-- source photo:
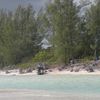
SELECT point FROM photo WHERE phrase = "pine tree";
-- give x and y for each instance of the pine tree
(63, 18)
(93, 24)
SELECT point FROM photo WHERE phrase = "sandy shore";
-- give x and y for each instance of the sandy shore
(75, 73)
(55, 72)
(44, 95)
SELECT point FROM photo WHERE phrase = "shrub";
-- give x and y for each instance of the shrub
(43, 56)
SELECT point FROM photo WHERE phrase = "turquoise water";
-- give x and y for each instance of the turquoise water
(56, 83)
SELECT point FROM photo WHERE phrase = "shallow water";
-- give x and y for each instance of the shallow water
(71, 84)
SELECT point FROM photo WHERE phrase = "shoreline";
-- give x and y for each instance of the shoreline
(2, 73)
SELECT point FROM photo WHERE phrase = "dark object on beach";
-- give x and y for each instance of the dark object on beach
(71, 69)
(89, 69)
(76, 69)
(50, 70)
(40, 69)
(60, 68)
(7, 72)
(21, 71)
(29, 70)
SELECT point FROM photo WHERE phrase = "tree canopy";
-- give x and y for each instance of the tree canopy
(72, 36)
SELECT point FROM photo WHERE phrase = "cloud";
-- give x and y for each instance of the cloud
(12, 4)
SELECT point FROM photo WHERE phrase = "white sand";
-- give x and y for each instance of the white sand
(54, 72)
(16, 72)
(43, 95)
(75, 73)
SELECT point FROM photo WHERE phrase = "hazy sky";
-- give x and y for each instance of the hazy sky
(12, 4)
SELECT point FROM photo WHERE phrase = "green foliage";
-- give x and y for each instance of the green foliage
(71, 36)
(25, 65)
(42, 56)
(19, 37)
(64, 20)
(93, 25)
(87, 59)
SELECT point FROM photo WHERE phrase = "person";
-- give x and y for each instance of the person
(40, 69)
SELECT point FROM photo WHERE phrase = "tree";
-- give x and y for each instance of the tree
(63, 18)
(19, 37)
(93, 24)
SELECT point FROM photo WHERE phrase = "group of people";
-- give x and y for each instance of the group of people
(41, 69)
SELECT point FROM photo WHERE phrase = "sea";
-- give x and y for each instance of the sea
(50, 87)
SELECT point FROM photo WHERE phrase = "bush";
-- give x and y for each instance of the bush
(25, 65)
(43, 56)
(87, 59)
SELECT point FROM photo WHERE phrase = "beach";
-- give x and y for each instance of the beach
(54, 72)
(43, 95)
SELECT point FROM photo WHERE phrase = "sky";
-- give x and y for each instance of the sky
(12, 4)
